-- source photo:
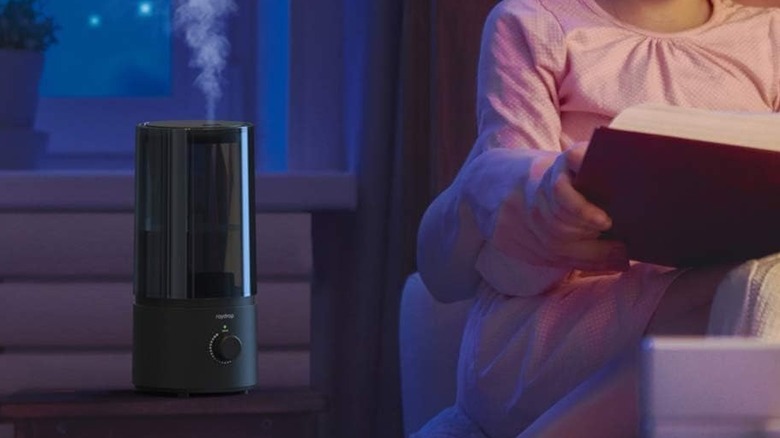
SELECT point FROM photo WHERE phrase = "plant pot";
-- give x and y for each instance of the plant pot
(21, 146)
(19, 78)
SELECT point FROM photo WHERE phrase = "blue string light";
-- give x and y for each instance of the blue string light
(145, 9)
(94, 20)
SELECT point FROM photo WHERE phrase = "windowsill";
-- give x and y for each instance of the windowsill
(115, 191)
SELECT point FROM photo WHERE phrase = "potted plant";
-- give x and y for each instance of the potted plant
(25, 34)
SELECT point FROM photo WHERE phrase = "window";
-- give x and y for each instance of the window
(118, 64)
(109, 49)
(274, 83)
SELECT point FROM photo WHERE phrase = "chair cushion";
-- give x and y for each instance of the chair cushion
(450, 423)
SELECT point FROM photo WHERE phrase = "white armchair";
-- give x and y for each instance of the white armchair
(429, 336)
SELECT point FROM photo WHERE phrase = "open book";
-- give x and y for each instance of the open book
(687, 187)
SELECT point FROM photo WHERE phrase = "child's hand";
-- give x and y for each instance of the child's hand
(561, 226)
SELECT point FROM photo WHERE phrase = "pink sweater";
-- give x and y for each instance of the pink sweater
(550, 72)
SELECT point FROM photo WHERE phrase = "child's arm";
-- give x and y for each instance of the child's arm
(513, 198)
(456, 229)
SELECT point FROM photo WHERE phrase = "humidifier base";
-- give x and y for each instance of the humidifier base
(183, 348)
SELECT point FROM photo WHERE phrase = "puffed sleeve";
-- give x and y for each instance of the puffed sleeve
(519, 136)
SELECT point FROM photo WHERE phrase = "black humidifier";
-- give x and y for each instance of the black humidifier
(194, 312)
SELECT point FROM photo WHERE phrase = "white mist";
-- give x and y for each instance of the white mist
(202, 23)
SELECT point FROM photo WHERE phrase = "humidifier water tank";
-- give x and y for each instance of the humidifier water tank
(194, 281)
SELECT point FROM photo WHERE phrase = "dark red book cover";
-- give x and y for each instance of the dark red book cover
(679, 202)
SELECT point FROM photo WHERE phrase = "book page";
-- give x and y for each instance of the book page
(757, 130)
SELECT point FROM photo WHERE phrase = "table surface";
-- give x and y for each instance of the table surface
(130, 403)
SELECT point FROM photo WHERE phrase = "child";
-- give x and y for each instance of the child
(554, 305)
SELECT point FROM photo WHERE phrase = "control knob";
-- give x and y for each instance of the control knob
(225, 347)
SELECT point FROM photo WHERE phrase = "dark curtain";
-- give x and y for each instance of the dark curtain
(358, 255)
(409, 121)
(456, 30)
(372, 89)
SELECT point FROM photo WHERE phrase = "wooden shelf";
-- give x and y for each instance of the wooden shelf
(126, 413)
